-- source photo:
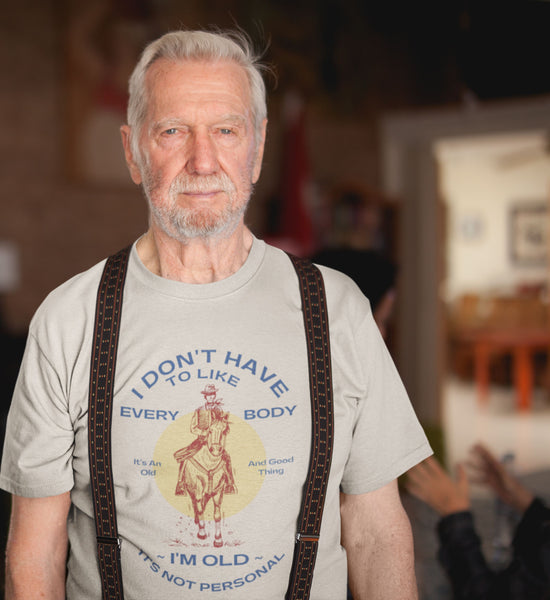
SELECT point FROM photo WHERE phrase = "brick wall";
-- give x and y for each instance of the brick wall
(58, 228)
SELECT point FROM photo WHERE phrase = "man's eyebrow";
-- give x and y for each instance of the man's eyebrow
(163, 124)
(166, 124)
(231, 119)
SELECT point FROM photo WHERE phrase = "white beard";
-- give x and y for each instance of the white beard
(184, 224)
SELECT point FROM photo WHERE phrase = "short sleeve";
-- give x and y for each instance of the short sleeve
(37, 456)
(387, 436)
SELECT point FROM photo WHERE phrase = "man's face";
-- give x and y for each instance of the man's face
(210, 401)
(199, 159)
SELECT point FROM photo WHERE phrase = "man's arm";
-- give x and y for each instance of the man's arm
(36, 551)
(377, 536)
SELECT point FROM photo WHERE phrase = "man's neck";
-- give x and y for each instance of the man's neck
(198, 260)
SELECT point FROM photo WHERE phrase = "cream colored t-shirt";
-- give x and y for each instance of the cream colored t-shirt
(204, 511)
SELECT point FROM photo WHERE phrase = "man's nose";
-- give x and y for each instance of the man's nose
(202, 154)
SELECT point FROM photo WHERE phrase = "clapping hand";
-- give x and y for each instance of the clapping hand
(429, 482)
(484, 468)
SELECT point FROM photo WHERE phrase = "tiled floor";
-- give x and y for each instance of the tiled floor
(497, 424)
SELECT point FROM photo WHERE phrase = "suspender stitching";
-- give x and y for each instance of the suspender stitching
(318, 345)
(102, 372)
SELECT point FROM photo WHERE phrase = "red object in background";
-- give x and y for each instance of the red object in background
(521, 343)
(295, 232)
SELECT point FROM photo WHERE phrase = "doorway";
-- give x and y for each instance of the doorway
(411, 173)
(495, 191)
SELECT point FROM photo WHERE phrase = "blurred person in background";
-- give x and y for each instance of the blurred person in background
(527, 576)
(352, 249)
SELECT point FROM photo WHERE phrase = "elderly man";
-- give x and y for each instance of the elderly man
(205, 301)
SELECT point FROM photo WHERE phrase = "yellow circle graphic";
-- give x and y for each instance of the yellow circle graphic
(183, 481)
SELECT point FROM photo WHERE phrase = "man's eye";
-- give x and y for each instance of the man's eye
(171, 131)
(226, 131)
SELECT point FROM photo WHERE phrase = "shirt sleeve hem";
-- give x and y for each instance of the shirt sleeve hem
(395, 471)
(35, 491)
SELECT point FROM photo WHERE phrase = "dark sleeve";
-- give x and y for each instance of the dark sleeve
(461, 556)
(532, 544)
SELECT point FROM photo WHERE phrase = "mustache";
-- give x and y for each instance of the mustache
(193, 184)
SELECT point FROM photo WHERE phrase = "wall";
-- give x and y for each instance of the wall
(58, 227)
(482, 181)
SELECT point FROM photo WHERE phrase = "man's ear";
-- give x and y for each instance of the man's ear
(259, 154)
(133, 167)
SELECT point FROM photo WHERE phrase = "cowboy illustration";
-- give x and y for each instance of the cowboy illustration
(202, 423)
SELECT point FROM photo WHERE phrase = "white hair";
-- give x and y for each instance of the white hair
(196, 45)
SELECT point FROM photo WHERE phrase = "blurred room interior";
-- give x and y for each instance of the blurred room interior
(438, 112)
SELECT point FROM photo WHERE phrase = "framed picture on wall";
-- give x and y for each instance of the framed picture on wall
(529, 223)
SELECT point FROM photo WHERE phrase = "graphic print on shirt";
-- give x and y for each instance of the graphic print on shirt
(205, 474)
(224, 449)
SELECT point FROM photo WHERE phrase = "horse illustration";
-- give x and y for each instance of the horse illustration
(205, 474)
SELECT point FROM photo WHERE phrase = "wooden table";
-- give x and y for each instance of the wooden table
(521, 343)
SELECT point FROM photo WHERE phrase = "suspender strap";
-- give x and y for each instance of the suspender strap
(320, 382)
(102, 375)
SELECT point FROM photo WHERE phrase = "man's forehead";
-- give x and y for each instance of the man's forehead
(198, 83)
(191, 69)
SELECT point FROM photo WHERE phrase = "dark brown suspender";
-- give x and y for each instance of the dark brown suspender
(102, 376)
(322, 421)
(102, 373)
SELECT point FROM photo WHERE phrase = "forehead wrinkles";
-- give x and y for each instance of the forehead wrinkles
(198, 83)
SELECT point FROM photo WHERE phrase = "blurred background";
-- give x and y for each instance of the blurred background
(435, 114)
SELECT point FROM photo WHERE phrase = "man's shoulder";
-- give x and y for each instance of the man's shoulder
(71, 297)
(343, 294)
(335, 279)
